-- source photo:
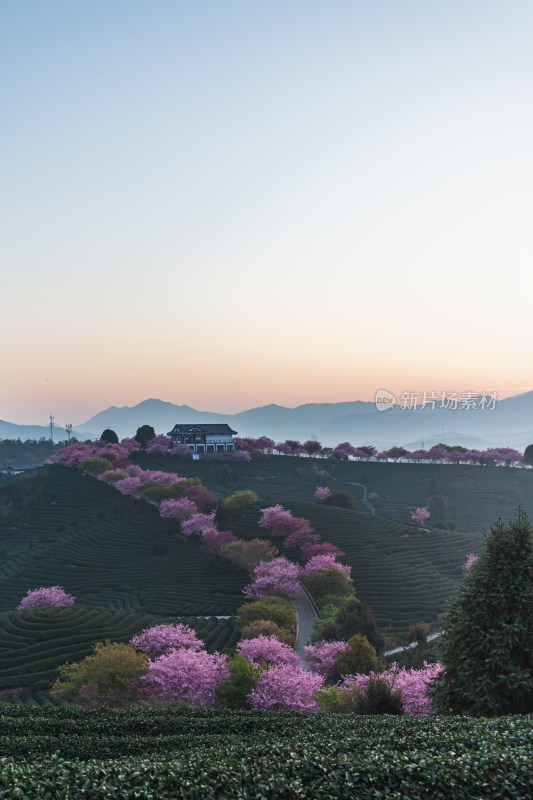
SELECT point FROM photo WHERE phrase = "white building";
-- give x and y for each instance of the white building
(204, 438)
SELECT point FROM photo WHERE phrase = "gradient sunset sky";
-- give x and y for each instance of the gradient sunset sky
(229, 203)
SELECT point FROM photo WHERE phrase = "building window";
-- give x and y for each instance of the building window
(199, 448)
(220, 448)
(230, 448)
(210, 448)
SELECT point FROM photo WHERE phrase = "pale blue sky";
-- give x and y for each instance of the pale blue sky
(325, 198)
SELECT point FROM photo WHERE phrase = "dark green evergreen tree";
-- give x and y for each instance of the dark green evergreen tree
(487, 647)
(109, 436)
(528, 454)
(144, 434)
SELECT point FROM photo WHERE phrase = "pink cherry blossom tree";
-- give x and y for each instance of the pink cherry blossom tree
(161, 639)
(180, 510)
(286, 687)
(277, 577)
(186, 676)
(268, 650)
(46, 596)
(470, 561)
(214, 540)
(159, 444)
(197, 524)
(325, 561)
(420, 515)
(322, 657)
(322, 492)
(412, 685)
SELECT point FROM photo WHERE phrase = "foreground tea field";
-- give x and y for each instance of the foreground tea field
(170, 753)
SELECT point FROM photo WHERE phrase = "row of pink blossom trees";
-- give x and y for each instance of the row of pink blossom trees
(178, 667)
(496, 456)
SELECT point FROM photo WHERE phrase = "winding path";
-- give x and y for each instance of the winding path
(307, 612)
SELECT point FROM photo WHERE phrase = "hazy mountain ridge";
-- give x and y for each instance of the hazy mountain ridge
(511, 422)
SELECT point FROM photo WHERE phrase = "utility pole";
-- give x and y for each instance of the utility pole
(51, 428)
(68, 428)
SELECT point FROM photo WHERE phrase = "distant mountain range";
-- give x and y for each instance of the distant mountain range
(10, 430)
(509, 423)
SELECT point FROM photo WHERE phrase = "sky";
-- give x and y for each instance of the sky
(229, 203)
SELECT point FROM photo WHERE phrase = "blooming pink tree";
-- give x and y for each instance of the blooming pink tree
(322, 657)
(286, 687)
(161, 639)
(322, 548)
(128, 486)
(264, 443)
(198, 524)
(325, 561)
(47, 596)
(420, 515)
(214, 540)
(181, 450)
(412, 685)
(277, 577)
(131, 444)
(322, 492)
(470, 561)
(268, 650)
(186, 676)
(159, 444)
(177, 509)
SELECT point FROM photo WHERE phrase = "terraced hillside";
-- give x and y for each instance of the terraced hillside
(35, 642)
(109, 551)
(403, 572)
(472, 497)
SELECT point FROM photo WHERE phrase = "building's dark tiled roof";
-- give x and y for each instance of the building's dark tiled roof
(196, 428)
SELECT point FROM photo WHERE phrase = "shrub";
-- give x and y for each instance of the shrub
(248, 555)
(357, 617)
(239, 500)
(379, 698)
(277, 609)
(359, 657)
(95, 464)
(107, 677)
(233, 692)
(341, 499)
(338, 700)
(328, 583)
(487, 646)
(265, 627)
